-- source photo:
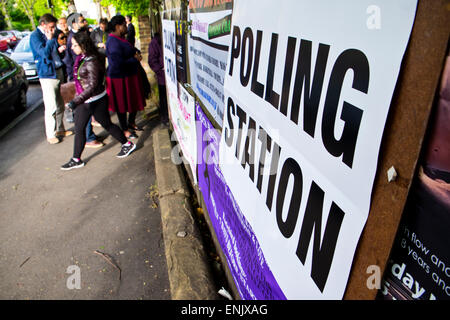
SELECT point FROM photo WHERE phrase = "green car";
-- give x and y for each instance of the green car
(13, 86)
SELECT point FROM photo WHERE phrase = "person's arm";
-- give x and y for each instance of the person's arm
(120, 58)
(97, 38)
(114, 57)
(90, 83)
(154, 59)
(69, 58)
(68, 62)
(93, 36)
(43, 49)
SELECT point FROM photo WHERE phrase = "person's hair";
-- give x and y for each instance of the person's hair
(115, 21)
(83, 19)
(157, 36)
(86, 44)
(47, 18)
(103, 21)
(129, 17)
(84, 29)
(73, 18)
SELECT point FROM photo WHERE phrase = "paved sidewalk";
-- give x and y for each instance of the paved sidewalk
(52, 219)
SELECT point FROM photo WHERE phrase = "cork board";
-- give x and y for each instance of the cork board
(402, 141)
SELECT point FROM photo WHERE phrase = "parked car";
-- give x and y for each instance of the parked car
(13, 85)
(3, 44)
(19, 35)
(10, 37)
(23, 56)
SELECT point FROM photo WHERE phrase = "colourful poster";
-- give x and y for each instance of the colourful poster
(208, 51)
(245, 260)
(183, 122)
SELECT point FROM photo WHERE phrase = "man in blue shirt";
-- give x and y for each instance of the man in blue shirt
(45, 49)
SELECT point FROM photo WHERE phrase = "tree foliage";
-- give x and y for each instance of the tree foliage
(5, 15)
(58, 6)
(134, 8)
(24, 14)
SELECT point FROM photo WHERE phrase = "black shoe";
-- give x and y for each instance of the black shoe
(132, 135)
(72, 164)
(135, 127)
(126, 150)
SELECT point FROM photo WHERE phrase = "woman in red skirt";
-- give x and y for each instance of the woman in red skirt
(123, 83)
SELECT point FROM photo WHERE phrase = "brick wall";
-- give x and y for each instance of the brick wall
(145, 38)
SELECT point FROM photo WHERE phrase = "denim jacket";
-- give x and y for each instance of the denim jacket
(42, 53)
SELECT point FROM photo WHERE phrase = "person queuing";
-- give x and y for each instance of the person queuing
(99, 36)
(61, 35)
(78, 23)
(91, 99)
(156, 63)
(131, 32)
(62, 31)
(74, 26)
(45, 49)
(62, 25)
(123, 78)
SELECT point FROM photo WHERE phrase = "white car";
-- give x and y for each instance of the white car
(23, 56)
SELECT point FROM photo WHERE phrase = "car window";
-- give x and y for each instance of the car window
(5, 66)
(24, 45)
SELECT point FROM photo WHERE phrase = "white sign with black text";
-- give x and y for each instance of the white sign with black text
(170, 67)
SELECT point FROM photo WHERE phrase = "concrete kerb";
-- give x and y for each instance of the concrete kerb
(189, 273)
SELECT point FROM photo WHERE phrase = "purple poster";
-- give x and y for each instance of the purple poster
(251, 274)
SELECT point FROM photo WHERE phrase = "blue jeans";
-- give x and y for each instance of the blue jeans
(90, 136)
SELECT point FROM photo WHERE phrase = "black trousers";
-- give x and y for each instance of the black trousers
(163, 109)
(98, 109)
(124, 124)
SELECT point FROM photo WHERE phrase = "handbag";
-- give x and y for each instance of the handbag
(68, 91)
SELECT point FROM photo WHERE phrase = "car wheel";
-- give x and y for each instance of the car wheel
(21, 102)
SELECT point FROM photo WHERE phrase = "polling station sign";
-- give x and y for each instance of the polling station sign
(308, 88)
(170, 65)
(208, 46)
